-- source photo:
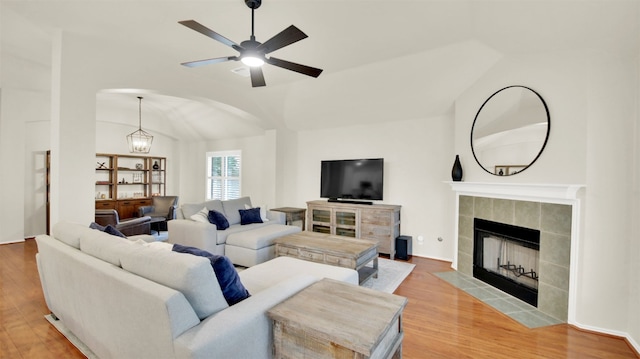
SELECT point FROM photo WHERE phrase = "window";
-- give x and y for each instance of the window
(223, 175)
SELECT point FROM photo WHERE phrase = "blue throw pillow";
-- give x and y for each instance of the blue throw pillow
(113, 231)
(218, 219)
(248, 216)
(109, 229)
(232, 289)
(94, 225)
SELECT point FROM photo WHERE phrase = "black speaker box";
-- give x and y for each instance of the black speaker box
(403, 247)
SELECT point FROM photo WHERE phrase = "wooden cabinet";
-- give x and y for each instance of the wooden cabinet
(126, 182)
(128, 208)
(376, 222)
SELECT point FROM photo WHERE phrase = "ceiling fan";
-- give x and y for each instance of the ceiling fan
(252, 52)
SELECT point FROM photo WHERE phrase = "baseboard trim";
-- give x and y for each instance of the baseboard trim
(12, 241)
(632, 343)
(434, 258)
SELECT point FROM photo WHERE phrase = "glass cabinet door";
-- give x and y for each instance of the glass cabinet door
(345, 223)
(321, 215)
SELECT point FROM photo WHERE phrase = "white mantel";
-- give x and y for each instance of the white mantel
(538, 192)
(568, 194)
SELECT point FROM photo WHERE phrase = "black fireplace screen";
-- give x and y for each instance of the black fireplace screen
(507, 257)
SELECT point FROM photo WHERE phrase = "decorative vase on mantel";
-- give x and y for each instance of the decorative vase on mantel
(456, 171)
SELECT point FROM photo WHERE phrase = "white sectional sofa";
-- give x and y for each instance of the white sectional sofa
(245, 244)
(126, 299)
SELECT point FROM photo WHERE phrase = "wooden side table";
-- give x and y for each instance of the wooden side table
(293, 214)
(332, 319)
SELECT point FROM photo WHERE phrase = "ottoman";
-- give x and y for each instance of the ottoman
(248, 248)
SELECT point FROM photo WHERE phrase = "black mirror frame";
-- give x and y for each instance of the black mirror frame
(546, 139)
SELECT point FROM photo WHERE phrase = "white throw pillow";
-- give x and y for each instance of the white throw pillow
(202, 216)
(263, 212)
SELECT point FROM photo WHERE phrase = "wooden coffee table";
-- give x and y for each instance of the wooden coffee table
(339, 251)
(332, 319)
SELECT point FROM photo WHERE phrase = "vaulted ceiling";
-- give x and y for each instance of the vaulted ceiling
(382, 60)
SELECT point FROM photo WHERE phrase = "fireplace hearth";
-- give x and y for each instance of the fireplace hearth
(507, 257)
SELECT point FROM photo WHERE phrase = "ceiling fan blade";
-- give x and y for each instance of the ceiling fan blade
(257, 77)
(209, 61)
(305, 70)
(194, 25)
(284, 38)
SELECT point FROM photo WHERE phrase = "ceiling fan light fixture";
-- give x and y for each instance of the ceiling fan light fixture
(253, 53)
(252, 61)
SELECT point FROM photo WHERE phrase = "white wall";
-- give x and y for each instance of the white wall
(418, 158)
(12, 155)
(611, 102)
(258, 168)
(593, 106)
(24, 133)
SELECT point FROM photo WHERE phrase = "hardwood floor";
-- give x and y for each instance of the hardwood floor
(440, 321)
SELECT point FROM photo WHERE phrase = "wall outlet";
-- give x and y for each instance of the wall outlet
(420, 240)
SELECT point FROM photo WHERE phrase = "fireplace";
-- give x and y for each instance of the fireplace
(507, 257)
(553, 209)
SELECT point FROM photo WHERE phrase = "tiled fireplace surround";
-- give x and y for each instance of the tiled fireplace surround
(547, 208)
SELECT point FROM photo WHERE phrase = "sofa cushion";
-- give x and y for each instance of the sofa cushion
(227, 276)
(269, 273)
(248, 216)
(201, 216)
(69, 233)
(260, 237)
(232, 209)
(222, 235)
(104, 246)
(191, 275)
(217, 218)
(214, 205)
(189, 209)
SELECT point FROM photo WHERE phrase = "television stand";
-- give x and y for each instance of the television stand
(349, 201)
(376, 222)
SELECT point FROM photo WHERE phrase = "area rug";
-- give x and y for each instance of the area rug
(71, 337)
(390, 275)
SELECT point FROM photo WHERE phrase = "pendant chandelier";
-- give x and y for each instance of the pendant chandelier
(139, 141)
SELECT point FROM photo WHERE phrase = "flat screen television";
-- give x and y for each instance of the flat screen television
(359, 180)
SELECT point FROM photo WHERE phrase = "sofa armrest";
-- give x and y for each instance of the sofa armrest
(278, 217)
(225, 334)
(193, 234)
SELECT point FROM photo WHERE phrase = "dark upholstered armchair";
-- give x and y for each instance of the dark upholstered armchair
(162, 210)
(129, 227)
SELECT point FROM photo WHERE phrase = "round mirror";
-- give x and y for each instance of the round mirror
(510, 131)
